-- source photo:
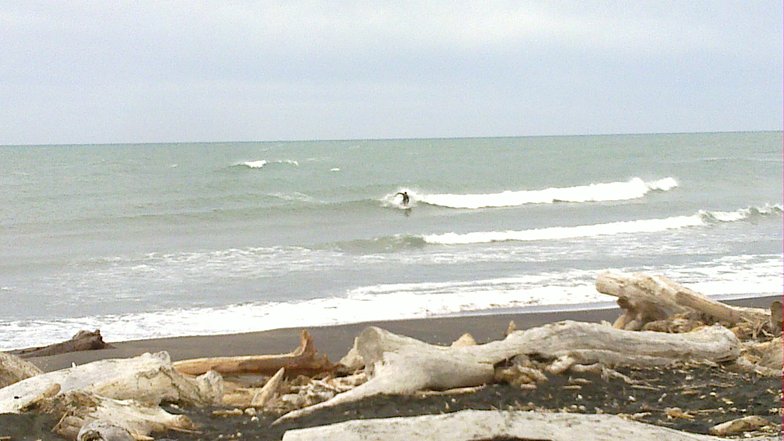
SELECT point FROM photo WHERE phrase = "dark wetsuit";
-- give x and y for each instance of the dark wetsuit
(405, 197)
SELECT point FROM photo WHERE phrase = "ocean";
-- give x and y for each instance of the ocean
(155, 240)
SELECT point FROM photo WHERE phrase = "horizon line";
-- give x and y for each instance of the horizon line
(390, 139)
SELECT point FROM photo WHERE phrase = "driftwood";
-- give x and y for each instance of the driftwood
(740, 425)
(646, 299)
(402, 365)
(149, 378)
(764, 358)
(103, 431)
(13, 369)
(82, 341)
(81, 409)
(776, 317)
(268, 392)
(304, 360)
(470, 425)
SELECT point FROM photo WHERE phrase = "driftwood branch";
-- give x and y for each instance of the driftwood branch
(470, 425)
(304, 360)
(402, 365)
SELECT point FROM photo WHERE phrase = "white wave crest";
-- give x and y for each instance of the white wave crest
(625, 227)
(254, 164)
(262, 162)
(613, 191)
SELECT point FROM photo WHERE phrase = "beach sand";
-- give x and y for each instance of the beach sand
(336, 340)
(715, 395)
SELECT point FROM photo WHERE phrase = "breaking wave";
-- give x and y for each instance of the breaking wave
(612, 191)
(701, 218)
(263, 162)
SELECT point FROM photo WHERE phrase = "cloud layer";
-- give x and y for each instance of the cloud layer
(79, 72)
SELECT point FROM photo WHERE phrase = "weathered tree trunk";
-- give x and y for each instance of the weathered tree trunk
(304, 360)
(13, 369)
(149, 378)
(645, 298)
(80, 409)
(471, 425)
(403, 365)
(82, 341)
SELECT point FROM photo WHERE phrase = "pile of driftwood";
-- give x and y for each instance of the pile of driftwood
(662, 324)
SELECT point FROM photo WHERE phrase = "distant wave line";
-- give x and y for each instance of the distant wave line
(701, 218)
(611, 191)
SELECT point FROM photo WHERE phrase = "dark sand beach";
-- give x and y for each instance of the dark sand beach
(710, 395)
(336, 340)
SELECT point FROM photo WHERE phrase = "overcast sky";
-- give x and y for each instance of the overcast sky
(154, 71)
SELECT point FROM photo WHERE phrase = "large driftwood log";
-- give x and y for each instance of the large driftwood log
(403, 365)
(304, 360)
(81, 341)
(80, 409)
(13, 369)
(470, 425)
(646, 298)
(149, 378)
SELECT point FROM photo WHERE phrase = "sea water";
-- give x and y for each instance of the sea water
(156, 240)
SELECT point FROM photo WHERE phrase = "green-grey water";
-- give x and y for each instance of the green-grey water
(172, 239)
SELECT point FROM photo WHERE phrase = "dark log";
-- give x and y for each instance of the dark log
(82, 341)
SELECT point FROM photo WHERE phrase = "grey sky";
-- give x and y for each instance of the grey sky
(109, 71)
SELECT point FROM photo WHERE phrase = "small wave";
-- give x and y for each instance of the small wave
(612, 191)
(263, 162)
(702, 218)
(386, 244)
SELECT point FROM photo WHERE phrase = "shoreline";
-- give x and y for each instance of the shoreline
(336, 340)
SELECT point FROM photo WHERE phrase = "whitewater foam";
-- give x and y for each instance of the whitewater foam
(702, 218)
(613, 191)
(746, 274)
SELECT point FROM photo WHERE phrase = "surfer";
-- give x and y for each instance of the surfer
(405, 197)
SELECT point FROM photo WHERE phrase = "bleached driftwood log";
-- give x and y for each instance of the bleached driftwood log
(81, 341)
(304, 360)
(403, 365)
(103, 431)
(469, 425)
(646, 298)
(149, 378)
(13, 369)
(80, 409)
